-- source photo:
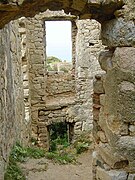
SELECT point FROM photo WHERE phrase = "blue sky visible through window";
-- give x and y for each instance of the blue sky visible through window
(58, 39)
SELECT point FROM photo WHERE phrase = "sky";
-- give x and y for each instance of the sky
(58, 39)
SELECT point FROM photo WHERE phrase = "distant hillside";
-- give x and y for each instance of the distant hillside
(56, 64)
(52, 59)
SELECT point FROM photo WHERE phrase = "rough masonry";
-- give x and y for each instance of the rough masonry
(58, 96)
(113, 130)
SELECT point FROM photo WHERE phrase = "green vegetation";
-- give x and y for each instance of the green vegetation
(64, 153)
(61, 157)
(60, 149)
(19, 154)
(13, 171)
(52, 63)
(82, 147)
(64, 69)
(61, 152)
(59, 143)
(58, 136)
(33, 141)
(52, 59)
(82, 143)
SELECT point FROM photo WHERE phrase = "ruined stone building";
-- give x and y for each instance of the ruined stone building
(52, 96)
(86, 98)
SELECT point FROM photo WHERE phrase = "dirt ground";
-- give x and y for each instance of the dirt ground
(43, 169)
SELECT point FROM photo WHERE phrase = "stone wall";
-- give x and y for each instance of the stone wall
(25, 77)
(35, 55)
(58, 95)
(92, 9)
(7, 100)
(11, 98)
(113, 124)
(59, 84)
(35, 62)
(88, 47)
(114, 92)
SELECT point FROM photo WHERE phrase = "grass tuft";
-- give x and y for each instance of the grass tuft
(19, 154)
(62, 152)
(13, 171)
(61, 158)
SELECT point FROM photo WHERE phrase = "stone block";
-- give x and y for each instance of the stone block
(111, 157)
(98, 87)
(95, 129)
(96, 98)
(132, 128)
(78, 125)
(34, 114)
(96, 114)
(41, 124)
(126, 86)
(41, 113)
(126, 147)
(43, 135)
(105, 59)
(26, 93)
(102, 136)
(118, 32)
(102, 99)
(25, 84)
(97, 160)
(124, 58)
(102, 174)
(131, 177)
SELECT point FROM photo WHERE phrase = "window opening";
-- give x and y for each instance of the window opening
(59, 45)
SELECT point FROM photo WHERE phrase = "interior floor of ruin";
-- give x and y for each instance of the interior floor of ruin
(43, 169)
